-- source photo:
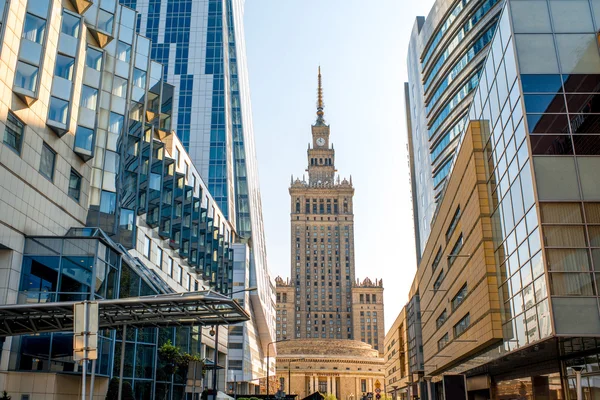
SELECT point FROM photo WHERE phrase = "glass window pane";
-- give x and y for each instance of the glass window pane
(74, 185)
(123, 52)
(571, 284)
(26, 76)
(536, 54)
(556, 178)
(93, 58)
(34, 28)
(564, 236)
(561, 213)
(551, 145)
(64, 66)
(545, 103)
(578, 53)
(58, 110)
(38, 7)
(568, 260)
(70, 24)
(115, 123)
(588, 168)
(541, 83)
(530, 16)
(13, 132)
(119, 87)
(47, 160)
(105, 21)
(594, 232)
(89, 97)
(571, 16)
(84, 138)
(592, 212)
(139, 78)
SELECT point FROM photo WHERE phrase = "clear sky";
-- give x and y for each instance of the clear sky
(361, 46)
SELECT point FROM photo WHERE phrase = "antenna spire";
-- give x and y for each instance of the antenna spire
(320, 113)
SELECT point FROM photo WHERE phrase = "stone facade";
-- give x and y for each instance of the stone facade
(323, 291)
(348, 369)
(397, 377)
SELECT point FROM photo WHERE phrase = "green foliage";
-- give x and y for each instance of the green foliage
(254, 398)
(175, 358)
(5, 396)
(113, 390)
(329, 396)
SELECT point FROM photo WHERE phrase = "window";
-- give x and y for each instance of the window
(47, 161)
(34, 28)
(64, 66)
(438, 281)
(147, 247)
(169, 266)
(437, 259)
(105, 21)
(93, 58)
(58, 110)
(89, 97)
(139, 78)
(13, 133)
(455, 250)
(26, 76)
(159, 257)
(443, 342)
(462, 325)
(84, 138)
(70, 24)
(460, 297)
(441, 319)
(453, 224)
(74, 185)
(123, 52)
(179, 276)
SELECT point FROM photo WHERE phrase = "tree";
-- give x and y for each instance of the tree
(5, 396)
(330, 396)
(175, 359)
(113, 390)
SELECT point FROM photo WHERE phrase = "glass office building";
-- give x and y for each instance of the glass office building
(537, 105)
(100, 200)
(201, 44)
(445, 56)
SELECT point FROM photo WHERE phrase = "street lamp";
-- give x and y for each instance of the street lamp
(268, 359)
(290, 373)
(215, 332)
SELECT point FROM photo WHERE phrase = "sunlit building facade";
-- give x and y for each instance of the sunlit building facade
(445, 56)
(100, 200)
(506, 287)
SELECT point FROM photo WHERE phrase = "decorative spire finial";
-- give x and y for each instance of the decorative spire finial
(320, 112)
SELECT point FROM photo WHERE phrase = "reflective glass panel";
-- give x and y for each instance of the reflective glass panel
(26, 76)
(58, 110)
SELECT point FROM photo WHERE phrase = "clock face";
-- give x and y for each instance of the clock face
(321, 141)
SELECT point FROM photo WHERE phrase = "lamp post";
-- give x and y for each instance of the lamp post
(268, 360)
(578, 370)
(290, 373)
(216, 334)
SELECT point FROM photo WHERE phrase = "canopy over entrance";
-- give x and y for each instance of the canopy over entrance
(174, 309)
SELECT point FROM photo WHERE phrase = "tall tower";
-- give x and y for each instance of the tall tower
(322, 241)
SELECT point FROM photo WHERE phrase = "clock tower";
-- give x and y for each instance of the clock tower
(321, 156)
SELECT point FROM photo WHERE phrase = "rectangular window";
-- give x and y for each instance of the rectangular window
(437, 259)
(64, 66)
(147, 247)
(455, 250)
(179, 276)
(70, 24)
(13, 133)
(89, 97)
(441, 319)
(84, 138)
(159, 257)
(453, 224)
(442, 342)
(74, 185)
(460, 297)
(438, 282)
(123, 52)
(462, 325)
(169, 266)
(26, 76)
(34, 28)
(58, 110)
(93, 58)
(47, 161)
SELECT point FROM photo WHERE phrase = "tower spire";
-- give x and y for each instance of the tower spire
(320, 113)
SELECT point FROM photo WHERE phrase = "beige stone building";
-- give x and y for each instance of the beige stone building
(348, 369)
(323, 299)
(397, 377)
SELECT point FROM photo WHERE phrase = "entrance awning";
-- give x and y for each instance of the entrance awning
(202, 308)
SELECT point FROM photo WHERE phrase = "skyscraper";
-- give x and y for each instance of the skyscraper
(201, 44)
(445, 57)
(322, 251)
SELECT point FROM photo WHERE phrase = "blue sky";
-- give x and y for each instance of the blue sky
(361, 47)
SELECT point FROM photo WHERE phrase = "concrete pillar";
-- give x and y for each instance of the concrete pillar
(370, 388)
(358, 392)
(334, 386)
(315, 381)
(328, 384)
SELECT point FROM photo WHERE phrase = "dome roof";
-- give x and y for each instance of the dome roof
(326, 348)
